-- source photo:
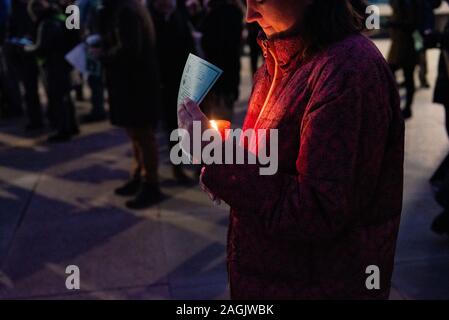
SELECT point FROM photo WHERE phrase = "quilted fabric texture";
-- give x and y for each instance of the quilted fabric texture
(333, 208)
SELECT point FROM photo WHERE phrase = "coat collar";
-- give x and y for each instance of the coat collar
(285, 48)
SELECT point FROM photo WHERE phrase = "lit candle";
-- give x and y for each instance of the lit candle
(221, 126)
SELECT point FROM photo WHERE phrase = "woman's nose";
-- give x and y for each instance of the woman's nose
(251, 14)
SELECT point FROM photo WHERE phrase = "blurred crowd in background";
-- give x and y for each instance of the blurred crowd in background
(413, 31)
(136, 52)
(35, 41)
(135, 56)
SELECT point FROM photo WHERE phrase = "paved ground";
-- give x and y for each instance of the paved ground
(57, 209)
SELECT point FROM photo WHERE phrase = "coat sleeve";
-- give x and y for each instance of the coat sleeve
(315, 203)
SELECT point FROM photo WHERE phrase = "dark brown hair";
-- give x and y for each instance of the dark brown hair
(328, 21)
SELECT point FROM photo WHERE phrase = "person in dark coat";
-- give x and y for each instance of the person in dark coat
(130, 60)
(426, 18)
(403, 55)
(222, 44)
(331, 212)
(52, 44)
(25, 65)
(10, 96)
(174, 43)
(440, 179)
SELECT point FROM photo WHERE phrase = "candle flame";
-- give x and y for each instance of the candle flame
(214, 124)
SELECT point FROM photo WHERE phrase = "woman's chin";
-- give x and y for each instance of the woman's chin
(269, 31)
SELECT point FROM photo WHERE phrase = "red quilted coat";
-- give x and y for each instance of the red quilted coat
(333, 208)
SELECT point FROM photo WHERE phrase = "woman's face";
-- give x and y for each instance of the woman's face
(276, 16)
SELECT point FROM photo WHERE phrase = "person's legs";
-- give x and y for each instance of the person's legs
(78, 86)
(136, 171)
(60, 99)
(30, 76)
(10, 83)
(97, 112)
(63, 105)
(51, 112)
(133, 184)
(423, 69)
(73, 122)
(56, 101)
(145, 140)
(409, 80)
(149, 192)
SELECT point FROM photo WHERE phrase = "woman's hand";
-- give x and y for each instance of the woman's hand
(189, 112)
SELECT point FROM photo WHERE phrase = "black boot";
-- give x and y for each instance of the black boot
(59, 137)
(441, 223)
(148, 195)
(94, 117)
(425, 84)
(130, 188)
(407, 113)
(34, 126)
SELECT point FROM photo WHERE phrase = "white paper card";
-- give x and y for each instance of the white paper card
(198, 78)
(77, 58)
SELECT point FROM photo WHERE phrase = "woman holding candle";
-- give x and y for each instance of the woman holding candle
(315, 228)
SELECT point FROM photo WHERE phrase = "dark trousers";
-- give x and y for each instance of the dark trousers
(409, 81)
(423, 67)
(145, 154)
(61, 107)
(29, 74)
(97, 99)
(9, 86)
